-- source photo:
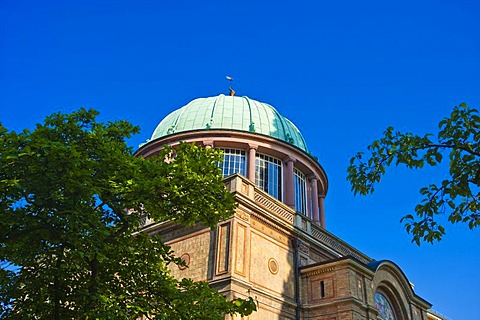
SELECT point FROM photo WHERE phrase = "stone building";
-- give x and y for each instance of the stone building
(276, 247)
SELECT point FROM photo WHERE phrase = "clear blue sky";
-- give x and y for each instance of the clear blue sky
(342, 71)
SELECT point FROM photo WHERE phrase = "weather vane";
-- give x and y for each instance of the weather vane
(232, 92)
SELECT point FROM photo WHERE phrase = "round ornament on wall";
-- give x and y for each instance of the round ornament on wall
(273, 266)
(186, 259)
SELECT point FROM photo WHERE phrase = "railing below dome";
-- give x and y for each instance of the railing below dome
(298, 222)
(265, 202)
(145, 220)
(238, 184)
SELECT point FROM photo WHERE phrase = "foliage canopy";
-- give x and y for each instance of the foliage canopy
(458, 197)
(68, 246)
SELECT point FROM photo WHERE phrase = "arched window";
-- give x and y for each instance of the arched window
(268, 175)
(384, 307)
(234, 161)
(300, 191)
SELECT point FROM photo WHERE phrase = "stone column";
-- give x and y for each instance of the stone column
(252, 153)
(288, 179)
(322, 211)
(314, 197)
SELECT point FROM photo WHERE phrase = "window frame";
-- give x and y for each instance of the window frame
(268, 163)
(300, 186)
(231, 156)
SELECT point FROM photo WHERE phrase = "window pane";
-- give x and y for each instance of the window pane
(268, 175)
(233, 162)
(300, 192)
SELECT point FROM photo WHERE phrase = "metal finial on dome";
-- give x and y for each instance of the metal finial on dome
(232, 92)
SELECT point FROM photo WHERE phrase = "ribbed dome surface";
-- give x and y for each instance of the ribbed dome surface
(230, 113)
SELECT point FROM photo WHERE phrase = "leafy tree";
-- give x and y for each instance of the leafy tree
(70, 249)
(457, 142)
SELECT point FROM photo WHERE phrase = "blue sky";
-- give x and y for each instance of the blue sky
(342, 71)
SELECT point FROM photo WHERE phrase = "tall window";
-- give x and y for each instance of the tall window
(300, 191)
(234, 161)
(268, 175)
(384, 307)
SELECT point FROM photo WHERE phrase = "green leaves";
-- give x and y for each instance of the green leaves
(459, 137)
(71, 203)
(188, 189)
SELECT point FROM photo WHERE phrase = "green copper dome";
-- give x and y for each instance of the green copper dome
(230, 113)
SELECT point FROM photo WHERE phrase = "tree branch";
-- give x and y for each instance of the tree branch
(452, 146)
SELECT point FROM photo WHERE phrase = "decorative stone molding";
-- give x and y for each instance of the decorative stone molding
(223, 248)
(244, 189)
(272, 206)
(241, 249)
(242, 215)
(289, 159)
(208, 143)
(320, 271)
(267, 228)
(304, 249)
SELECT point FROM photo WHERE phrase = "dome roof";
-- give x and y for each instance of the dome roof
(230, 113)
